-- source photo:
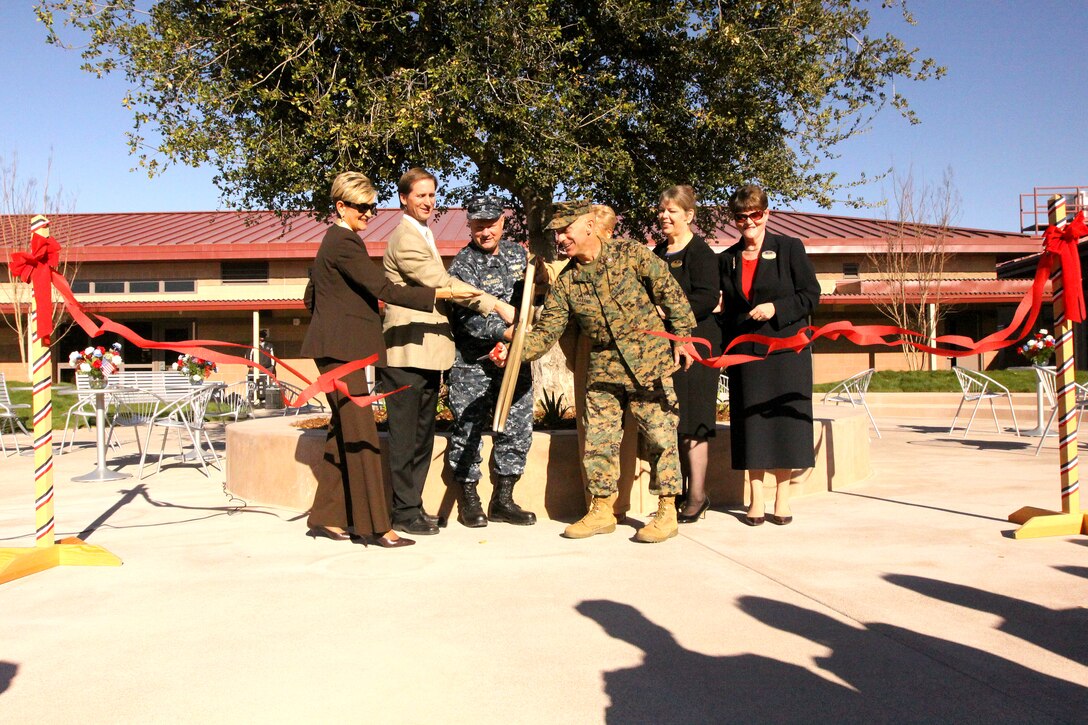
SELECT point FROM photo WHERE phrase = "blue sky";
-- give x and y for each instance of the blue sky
(1009, 116)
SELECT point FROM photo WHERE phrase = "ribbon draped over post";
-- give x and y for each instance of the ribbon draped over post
(1060, 244)
(36, 268)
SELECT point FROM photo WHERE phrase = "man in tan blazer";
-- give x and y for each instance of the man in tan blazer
(419, 347)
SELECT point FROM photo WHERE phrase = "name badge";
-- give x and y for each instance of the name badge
(769, 254)
(676, 263)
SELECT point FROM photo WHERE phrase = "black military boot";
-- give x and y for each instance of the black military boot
(502, 507)
(470, 510)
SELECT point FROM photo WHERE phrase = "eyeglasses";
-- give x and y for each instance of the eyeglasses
(364, 209)
(741, 217)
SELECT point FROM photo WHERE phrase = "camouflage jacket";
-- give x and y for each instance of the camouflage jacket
(613, 299)
(500, 275)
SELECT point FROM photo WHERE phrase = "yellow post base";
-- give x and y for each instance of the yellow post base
(16, 563)
(1036, 523)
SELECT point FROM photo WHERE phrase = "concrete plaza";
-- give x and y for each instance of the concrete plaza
(901, 599)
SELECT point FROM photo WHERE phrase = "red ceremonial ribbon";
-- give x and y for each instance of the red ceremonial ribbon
(1060, 243)
(36, 268)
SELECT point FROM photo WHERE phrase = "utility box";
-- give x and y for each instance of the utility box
(273, 398)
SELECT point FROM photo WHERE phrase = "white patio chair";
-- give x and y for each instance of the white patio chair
(182, 414)
(723, 389)
(10, 417)
(82, 412)
(232, 401)
(977, 387)
(313, 405)
(852, 391)
(1049, 380)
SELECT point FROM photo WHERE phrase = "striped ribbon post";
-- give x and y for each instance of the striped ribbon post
(41, 375)
(46, 553)
(1036, 522)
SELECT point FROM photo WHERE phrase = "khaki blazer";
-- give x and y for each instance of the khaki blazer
(415, 339)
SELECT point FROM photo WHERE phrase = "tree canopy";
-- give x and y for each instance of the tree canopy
(610, 99)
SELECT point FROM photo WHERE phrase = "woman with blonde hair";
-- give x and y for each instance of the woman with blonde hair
(695, 267)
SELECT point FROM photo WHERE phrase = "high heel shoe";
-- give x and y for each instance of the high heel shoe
(753, 520)
(390, 543)
(700, 513)
(780, 520)
(316, 531)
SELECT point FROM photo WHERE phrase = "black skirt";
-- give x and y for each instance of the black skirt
(770, 412)
(697, 387)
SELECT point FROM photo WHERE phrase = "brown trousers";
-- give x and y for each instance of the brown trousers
(350, 484)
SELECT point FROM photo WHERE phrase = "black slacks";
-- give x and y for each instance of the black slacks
(411, 434)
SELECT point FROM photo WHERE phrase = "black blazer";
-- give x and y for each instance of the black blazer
(696, 269)
(345, 287)
(784, 276)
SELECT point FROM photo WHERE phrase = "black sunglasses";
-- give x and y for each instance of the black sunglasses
(363, 209)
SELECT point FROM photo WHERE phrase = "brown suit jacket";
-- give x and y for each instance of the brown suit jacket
(416, 339)
(346, 286)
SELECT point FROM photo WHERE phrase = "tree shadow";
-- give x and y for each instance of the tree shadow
(1081, 571)
(676, 685)
(1059, 630)
(7, 674)
(919, 678)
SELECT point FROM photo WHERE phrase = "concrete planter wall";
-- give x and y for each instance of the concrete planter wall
(271, 462)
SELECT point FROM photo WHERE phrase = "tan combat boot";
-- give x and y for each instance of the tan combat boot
(663, 525)
(599, 520)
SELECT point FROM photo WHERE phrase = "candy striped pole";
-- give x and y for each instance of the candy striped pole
(46, 553)
(41, 371)
(1037, 522)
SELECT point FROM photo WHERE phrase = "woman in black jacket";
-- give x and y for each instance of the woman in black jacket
(695, 267)
(769, 288)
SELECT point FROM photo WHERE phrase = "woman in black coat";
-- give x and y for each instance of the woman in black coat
(769, 288)
(343, 295)
(695, 267)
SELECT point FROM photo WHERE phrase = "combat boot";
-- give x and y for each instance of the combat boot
(663, 524)
(470, 510)
(599, 520)
(502, 507)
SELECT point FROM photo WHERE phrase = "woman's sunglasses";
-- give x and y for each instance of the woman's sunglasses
(364, 209)
(741, 217)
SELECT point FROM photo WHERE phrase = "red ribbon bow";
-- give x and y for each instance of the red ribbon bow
(1060, 244)
(37, 269)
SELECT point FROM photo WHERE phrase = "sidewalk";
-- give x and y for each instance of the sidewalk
(902, 599)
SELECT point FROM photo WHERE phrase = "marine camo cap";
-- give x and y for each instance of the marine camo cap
(565, 213)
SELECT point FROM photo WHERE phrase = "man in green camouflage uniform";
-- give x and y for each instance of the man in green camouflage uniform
(612, 288)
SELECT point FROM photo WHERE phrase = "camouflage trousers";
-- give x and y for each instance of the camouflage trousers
(473, 394)
(656, 412)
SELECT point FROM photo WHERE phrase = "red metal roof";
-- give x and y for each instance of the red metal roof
(222, 235)
(953, 291)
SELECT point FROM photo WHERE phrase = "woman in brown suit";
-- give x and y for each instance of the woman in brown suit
(343, 295)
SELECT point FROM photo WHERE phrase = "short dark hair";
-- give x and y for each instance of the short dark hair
(748, 198)
(263, 333)
(411, 176)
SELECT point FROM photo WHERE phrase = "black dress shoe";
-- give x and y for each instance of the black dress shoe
(753, 520)
(428, 517)
(390, 543)
(699, 513)
(780, 520)
(419, 526)
(316, 531)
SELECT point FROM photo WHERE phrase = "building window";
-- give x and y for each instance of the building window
(850, 270)
(109, 288)
(244, 272)
(81, 286)
(179, 285)
(144, 286)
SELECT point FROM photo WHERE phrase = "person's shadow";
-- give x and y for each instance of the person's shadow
(676, 685)
(1062, 631)
(7, 674)
(920, 678)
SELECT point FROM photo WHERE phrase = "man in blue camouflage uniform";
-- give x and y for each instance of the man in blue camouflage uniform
(612, 289)
(497, 266)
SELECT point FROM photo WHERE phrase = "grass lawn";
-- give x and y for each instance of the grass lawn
(944, 381)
